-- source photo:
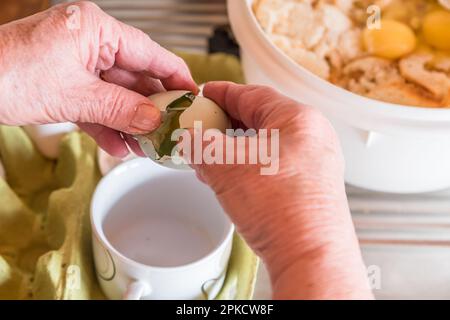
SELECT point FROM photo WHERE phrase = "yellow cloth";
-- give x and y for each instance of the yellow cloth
(44, 213)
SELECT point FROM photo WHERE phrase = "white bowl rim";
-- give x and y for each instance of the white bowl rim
(97, 229)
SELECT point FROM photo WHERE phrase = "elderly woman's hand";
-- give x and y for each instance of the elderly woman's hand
(297, 219)
(75, 63)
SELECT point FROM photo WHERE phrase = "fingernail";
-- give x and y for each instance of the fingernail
(146, 118)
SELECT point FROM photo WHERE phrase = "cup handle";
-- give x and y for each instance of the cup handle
(136, 290)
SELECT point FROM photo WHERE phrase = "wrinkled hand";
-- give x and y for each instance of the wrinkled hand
(298, 219)
(75, 63)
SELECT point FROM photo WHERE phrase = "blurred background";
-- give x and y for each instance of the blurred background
(16, 9)
(198, 26)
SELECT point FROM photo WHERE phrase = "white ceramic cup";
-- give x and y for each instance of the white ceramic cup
(158, 233)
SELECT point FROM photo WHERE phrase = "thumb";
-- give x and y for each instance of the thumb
(119, 108)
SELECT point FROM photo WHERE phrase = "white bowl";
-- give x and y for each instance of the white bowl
(387, 147)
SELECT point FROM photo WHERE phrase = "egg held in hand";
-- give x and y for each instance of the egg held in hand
(180, 110)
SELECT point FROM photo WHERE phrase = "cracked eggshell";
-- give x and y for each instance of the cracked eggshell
(47, 137)
(202, 109)
(162, 99)
(206, 111)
